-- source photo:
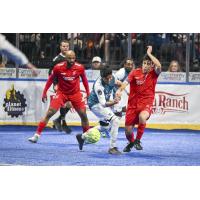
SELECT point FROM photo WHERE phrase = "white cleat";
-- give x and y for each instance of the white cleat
(34, 139)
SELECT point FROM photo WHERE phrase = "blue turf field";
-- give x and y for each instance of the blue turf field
(161, 148)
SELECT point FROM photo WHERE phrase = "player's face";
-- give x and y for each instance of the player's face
(64, 47)
(107, 79)
(129, 65)
(70, 59)
(146, 66)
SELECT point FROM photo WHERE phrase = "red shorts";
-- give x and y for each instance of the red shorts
(59, 100)
(132, 114)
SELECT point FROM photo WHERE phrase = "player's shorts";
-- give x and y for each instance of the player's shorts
(59, 100)
(132, 114)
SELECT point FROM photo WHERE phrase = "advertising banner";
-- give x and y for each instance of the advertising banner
(175, 106)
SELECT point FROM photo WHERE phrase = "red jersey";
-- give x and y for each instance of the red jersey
(68, 78)
(142, 87)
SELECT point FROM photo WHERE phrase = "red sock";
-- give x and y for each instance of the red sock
(130, 137)
(40, 127)
(140, 131)
(85, 128)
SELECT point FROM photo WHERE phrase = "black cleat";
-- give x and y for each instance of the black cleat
(137, 145)
(114, 151)
(57, 124)
(67, 129)
(128, 147)
(80, 141)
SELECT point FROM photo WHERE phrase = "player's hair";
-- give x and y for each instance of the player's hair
(105, 71)
(65, 41)
(146, 57)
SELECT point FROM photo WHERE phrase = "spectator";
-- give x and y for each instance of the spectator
(2, 61)
(96, 62)
(174, 66)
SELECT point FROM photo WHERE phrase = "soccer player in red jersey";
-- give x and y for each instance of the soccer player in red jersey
(68, 74)
(142, 92)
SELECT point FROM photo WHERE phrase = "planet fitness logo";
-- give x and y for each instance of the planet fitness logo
(14, 103)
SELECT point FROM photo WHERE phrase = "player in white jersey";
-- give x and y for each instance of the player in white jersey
(100, 104)
(15, 54)
(121, 75)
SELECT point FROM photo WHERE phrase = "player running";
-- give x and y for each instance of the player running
(142, 92)
(68, 74)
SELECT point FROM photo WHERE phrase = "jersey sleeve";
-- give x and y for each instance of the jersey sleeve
(130, 76)
(85, 82)
(100, 94)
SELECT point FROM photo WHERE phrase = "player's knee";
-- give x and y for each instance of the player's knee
(50, 113)
(143, 117)
(128, 129)
(115, 120)
(104, 125)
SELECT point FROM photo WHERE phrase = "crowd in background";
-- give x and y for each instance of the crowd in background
(111, 48)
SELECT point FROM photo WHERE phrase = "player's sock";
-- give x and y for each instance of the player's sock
(140, 131)
(40, 127)
(85, 128)
(130, 137)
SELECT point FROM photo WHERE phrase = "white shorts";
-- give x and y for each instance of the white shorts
(103, 113)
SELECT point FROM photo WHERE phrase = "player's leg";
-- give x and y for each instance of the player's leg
(130, 121)
(55, 104)
(143, 116)
(108, 121)
(42, 124)
(60, 123)
(63, 113)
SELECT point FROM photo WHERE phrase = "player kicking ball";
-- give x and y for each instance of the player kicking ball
(100, 104)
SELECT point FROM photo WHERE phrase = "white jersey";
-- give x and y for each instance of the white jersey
(12, 52)
(121, 74)
(101, 92)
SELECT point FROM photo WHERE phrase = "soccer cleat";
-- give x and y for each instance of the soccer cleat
(34, 139)
(128, 147)
(137, 145)
(114, 151)
(80, 141)
(57, 124)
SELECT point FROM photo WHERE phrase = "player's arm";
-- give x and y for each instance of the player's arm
(102, 99)
(122, 88)
(15, 54)
(155, 61)
(47, 86)
(85, 83)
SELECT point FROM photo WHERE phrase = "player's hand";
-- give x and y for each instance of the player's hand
(33, 68)
(149, 50)
(118, 94)
(44, 98)
(116, 100)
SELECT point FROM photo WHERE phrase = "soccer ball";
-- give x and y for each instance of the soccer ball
(93, 135)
